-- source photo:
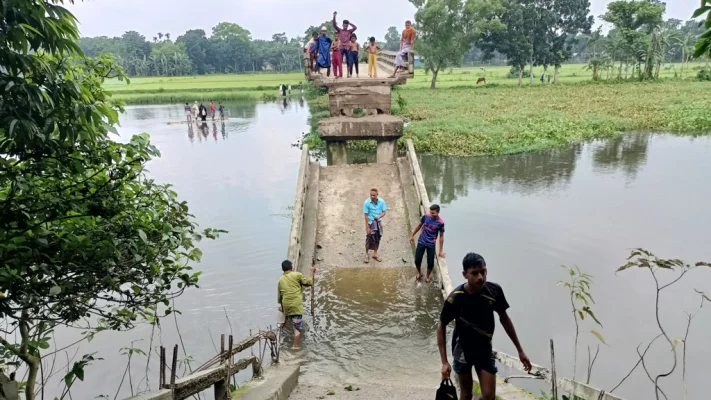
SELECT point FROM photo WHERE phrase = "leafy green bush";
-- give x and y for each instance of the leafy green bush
(704, 74)
(513, 73)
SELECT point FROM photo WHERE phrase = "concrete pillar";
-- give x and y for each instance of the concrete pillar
(387, 151)
(336, 153)
(222, 390)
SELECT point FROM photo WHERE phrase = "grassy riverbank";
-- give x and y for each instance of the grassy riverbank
(505, 120)
(181, 89)
(497, 120)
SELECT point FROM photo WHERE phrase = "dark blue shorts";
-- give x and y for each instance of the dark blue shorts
(297, 321)
(486, 363)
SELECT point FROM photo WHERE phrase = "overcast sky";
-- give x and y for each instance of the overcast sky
(264, 17)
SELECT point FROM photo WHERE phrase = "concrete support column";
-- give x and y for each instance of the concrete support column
(222, 390)
(336, 153)
(387, 151)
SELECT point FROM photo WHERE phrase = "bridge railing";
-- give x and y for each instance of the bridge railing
(387, 59)
(297, 221)
(215, 373)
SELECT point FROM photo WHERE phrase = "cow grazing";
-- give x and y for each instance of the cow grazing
(480, 80)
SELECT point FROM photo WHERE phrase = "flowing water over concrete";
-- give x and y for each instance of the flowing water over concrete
(528, 214)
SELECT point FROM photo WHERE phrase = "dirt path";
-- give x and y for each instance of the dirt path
(340, 237)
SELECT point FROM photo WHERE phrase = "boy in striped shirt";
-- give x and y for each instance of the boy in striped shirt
(432, 226)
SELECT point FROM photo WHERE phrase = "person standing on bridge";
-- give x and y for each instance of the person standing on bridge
(431, 225)
(472, 305)
(290, 296)
(353, 55)
(336, 59)
(344, 34)
(407, 44)
(373, 50)
(374, 210)
(323, 50)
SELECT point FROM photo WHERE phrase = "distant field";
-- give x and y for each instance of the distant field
(569, 73)
(255, 86)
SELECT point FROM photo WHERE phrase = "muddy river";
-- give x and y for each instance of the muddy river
(585, 205)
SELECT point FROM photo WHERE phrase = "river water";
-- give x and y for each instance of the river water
(528, 214)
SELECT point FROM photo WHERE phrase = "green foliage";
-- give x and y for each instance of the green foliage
(447, 28)
(392, 39)
(401, 102)
(514, 73)
(578, 285)
(704, 74)
(703, 48)
(85, 235)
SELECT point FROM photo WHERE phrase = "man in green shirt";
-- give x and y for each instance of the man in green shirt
(291, 296)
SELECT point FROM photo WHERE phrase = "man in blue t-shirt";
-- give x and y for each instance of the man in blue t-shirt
(431, 225)
(374, 209)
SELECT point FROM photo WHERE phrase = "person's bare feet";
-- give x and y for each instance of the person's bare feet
(427, 279)
(367, 259)
(418, 277)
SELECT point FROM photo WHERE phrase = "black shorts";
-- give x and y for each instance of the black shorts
(483, 362)
(420, 253)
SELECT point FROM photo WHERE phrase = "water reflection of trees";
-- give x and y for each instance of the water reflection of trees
(448, 178)
(625, 153)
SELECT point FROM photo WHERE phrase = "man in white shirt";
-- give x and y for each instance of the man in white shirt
(309, 49)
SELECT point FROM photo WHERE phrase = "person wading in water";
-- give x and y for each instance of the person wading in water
(290, 296)
(374, 209)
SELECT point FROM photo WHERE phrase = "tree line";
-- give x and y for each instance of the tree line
(548, 33)
(229, 49)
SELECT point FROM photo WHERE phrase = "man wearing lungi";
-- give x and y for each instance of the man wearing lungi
(374, 210)
(407, 44)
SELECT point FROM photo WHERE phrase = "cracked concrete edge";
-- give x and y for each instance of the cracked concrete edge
(277, 384)
(310, 216)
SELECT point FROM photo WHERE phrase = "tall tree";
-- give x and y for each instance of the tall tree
(225, 30)
(636, 21)
(392, 39)
(566, 19)
(86, 237)
(198, 47)
(446, 31)
(514, 38)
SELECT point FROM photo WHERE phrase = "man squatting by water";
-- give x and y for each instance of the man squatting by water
(374, 209)
(472, 305)
(290, 296)
(431, 225)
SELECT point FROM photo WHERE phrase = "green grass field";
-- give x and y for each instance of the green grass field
(254, 86)
(569, 73)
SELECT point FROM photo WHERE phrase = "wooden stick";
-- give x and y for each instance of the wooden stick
(313, 291)
(174, 371)
(161, 377)
(222, 347)
(554, 383)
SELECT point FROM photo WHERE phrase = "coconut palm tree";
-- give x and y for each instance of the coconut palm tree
(686, 41)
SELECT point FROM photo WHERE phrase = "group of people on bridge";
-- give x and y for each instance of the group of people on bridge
(472, 304)
(325, 52)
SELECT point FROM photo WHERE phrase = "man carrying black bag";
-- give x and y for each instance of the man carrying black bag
(472, 305)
